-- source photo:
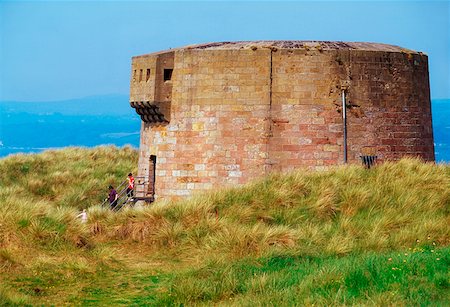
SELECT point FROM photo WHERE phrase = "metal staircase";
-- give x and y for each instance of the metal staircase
(141, 192)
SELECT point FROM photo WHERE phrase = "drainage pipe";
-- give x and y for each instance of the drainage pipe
(344, 122)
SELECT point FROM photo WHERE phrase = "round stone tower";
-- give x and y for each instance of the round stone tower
(221, 114)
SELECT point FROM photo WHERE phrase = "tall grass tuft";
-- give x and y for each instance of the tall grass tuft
(344, 210)
(9, 297)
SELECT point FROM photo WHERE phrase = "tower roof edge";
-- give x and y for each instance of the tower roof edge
(289, 44)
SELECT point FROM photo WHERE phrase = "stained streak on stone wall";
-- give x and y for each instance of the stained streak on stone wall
(237, 114)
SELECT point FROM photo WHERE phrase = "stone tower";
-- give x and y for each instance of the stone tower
(221, 114)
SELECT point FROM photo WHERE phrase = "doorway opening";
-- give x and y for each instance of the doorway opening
(151, 177)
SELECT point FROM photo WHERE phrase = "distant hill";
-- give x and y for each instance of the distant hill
(112, 105)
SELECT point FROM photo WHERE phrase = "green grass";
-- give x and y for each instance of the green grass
(347, 236)
(297, 280)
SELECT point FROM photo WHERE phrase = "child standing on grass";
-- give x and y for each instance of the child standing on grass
(83, 216)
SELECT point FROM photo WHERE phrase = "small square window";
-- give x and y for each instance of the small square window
(148, 75)
(168, 74)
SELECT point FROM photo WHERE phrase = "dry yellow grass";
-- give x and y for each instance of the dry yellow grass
(343, 211)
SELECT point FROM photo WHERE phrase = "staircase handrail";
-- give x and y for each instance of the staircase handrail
(106, 200)
(122, 197)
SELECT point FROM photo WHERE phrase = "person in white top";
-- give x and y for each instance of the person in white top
(83, 216)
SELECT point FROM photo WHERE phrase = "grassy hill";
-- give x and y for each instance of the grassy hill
(348, 236)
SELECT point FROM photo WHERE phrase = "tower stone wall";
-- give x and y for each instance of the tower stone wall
(221, 114)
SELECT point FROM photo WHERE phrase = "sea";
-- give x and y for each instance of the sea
(32, 127)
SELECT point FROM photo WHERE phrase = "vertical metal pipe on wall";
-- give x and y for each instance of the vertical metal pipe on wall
(344, 123)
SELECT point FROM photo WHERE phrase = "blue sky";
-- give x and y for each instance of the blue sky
(53, 50)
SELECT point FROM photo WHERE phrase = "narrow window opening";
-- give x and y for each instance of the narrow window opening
(148, 75)
(140, 75)
(134, 75)
(168, 74)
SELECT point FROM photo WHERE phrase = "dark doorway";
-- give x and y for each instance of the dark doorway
(151, 176)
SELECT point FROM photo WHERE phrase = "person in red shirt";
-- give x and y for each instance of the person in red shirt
(130, 187)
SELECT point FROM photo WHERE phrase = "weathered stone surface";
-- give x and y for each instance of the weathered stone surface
(234, 111)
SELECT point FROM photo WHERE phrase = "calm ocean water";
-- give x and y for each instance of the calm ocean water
(441, 129)
(32, 128)
(29, 133)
